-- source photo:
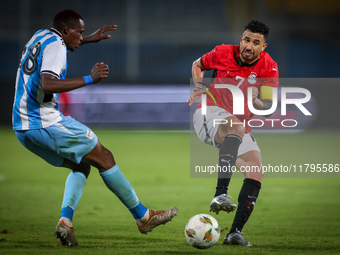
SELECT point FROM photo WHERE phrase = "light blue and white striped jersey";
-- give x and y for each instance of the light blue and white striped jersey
(45, 52)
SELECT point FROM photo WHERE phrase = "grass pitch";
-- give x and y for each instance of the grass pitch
(299, 216)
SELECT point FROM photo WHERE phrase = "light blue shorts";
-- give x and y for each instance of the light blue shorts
(68, 139)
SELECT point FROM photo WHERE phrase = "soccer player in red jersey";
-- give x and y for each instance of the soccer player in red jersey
(245, 65)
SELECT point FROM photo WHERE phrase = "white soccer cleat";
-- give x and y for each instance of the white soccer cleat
(222, 203)
(236, 238)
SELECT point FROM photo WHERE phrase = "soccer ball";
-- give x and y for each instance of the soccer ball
(202, 231)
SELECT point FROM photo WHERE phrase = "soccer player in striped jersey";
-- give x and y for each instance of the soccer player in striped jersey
(244, 65)
(62, 141)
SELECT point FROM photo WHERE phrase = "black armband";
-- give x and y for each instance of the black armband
(202, 63)
(267, 105)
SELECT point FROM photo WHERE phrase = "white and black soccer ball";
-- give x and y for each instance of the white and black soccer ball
(202, 231)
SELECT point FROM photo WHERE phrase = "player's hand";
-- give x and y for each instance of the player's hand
(255, 93)
(196, 94)
(99, 34)
(99, 72)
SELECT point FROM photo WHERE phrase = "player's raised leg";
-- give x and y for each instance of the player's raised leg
(146, 219)
(247, 197)
(229, 135)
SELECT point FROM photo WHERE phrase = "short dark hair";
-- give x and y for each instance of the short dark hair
(256, 26)
(66, 18)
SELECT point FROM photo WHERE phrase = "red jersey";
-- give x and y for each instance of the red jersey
(225, 59)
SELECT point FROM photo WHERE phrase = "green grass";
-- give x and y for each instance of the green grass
(292, 215)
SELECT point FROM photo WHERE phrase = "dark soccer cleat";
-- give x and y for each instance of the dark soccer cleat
(236, 238)
(65, 234)
(222, 203)
(157, 218)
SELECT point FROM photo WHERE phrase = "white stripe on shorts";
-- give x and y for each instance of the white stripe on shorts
(64, 128)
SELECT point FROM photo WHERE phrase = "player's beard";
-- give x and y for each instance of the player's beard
(249, 58)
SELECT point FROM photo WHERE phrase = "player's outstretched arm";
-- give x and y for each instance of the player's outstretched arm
(98, 35)
(50, 84)
(197, 71)
(195, 95)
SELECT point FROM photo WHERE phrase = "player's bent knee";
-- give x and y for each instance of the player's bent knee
(255, 176)
(226, 129)
(109, 160)
(238, 130)
(253, 171)
(100, 157)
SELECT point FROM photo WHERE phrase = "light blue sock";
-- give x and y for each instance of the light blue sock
(74, 186)
(121, 187)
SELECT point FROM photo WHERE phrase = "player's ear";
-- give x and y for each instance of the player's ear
(66, 30)
(264, 46)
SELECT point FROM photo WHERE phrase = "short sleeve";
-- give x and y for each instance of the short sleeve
(272, 71)
(210, 60)
(54, 59)
(270, 75)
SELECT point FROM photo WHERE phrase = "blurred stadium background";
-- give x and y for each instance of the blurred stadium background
(156, 43)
